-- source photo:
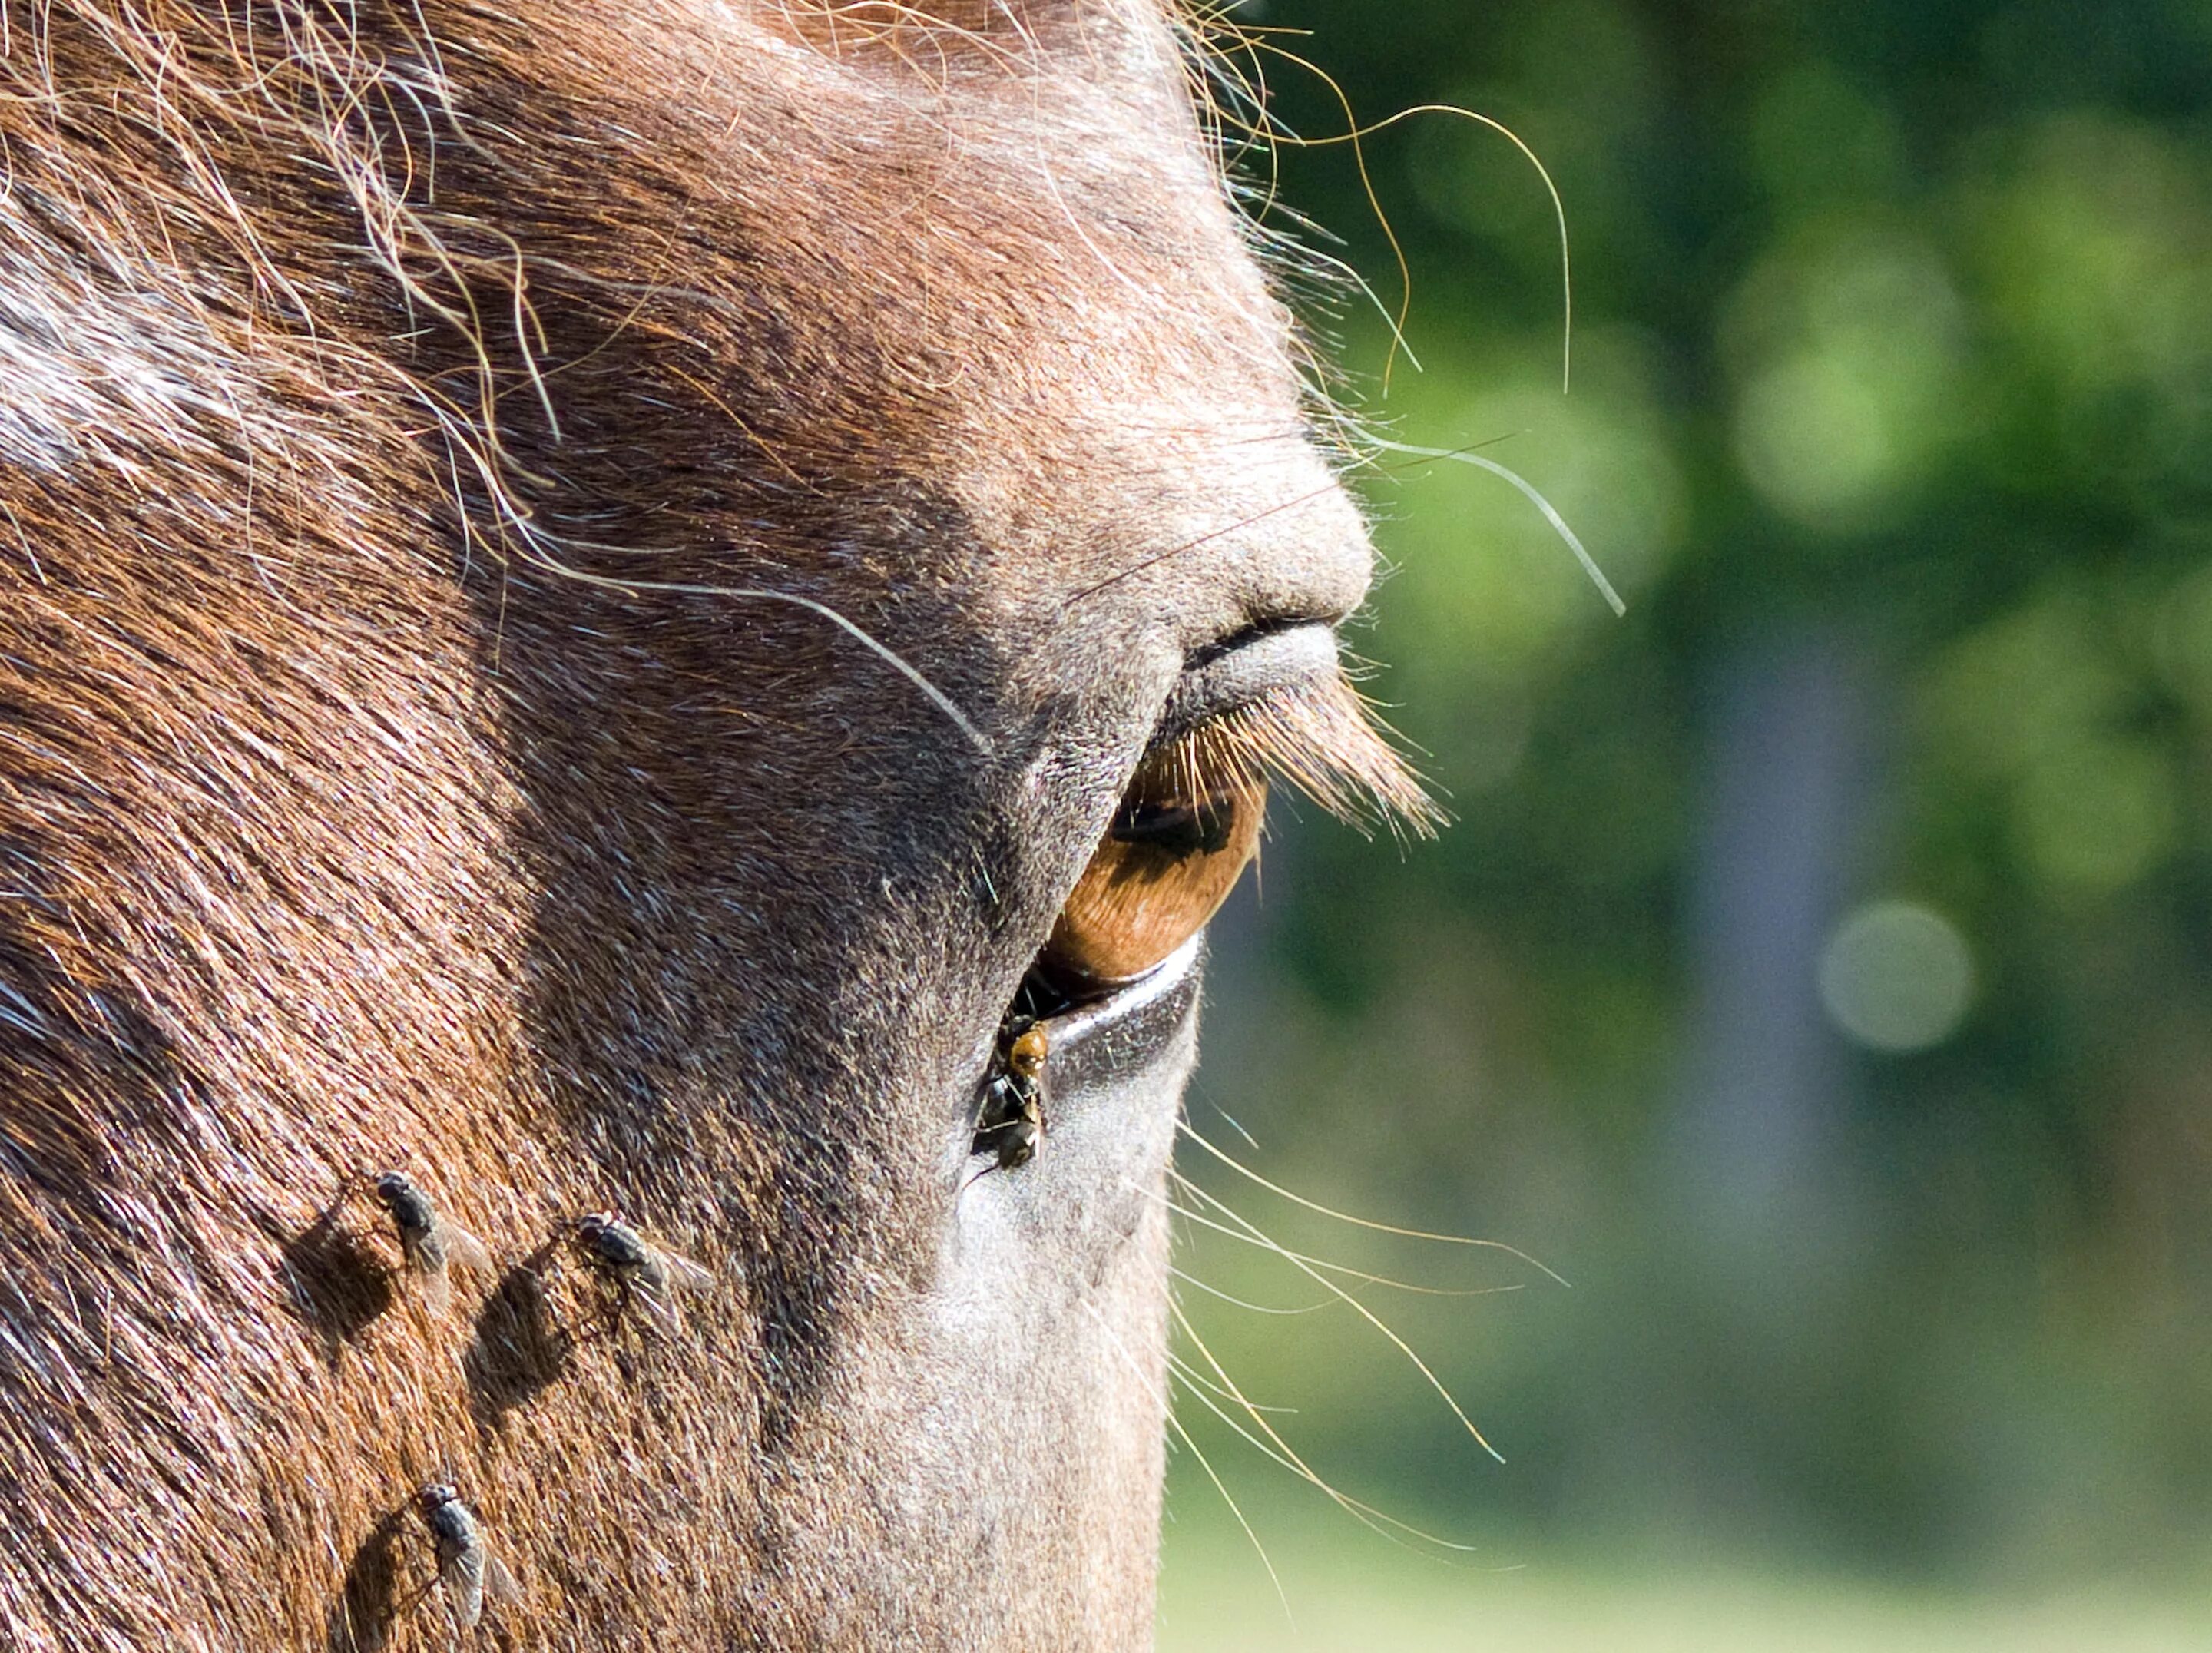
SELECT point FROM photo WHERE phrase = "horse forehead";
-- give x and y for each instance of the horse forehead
(1017, 249)
(1001, 195)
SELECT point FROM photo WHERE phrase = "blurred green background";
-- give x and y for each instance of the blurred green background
(1818, 975)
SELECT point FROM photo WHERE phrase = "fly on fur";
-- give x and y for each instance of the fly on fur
(470, 1573)
(432, 1243)
(640, 1272)
(1012, 1123)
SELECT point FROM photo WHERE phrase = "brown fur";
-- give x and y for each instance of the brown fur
(369, 374)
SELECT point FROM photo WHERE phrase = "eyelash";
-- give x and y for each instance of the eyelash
(1321, 737)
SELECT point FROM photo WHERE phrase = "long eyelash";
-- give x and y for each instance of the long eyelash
(1322, 738)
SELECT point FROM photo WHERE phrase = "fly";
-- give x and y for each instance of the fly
(431, 1242)
(640, 1272)
(467, 1568)
(1012, 1123)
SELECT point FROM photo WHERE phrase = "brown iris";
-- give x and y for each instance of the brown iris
(1191, 819)
(1169, 860)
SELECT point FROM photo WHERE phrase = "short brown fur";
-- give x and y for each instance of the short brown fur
(370, 378)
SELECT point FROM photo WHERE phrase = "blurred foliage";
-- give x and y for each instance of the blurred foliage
(1893, 349)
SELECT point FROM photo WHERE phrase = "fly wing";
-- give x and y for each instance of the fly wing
(424, 1253)
(657, 1309)
(499, 1583)
(437, 1290)
(684, 1275)
(463, 1247)
(463, 1575)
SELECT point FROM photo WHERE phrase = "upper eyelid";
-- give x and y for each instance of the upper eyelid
(1278, 703)
(1241, 669)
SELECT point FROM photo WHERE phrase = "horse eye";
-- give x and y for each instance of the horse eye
(1170, 858)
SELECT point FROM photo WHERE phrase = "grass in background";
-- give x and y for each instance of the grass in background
(1353, 1592)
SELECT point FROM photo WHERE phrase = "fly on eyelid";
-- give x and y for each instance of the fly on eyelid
(1012, 1123)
